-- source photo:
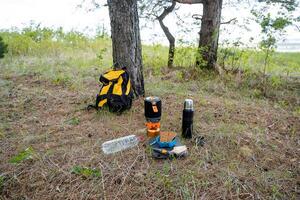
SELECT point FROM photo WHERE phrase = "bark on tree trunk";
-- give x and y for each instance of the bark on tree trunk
(209, 34)
(167, 32)
(126, 43)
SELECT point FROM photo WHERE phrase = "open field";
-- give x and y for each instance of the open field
(50, 145)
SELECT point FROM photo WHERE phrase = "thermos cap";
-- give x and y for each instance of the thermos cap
(188, 104)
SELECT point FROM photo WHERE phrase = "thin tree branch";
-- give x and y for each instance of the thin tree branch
(197, 16)
(160, 18)
(228, 22)
(179, 18)
(167, 11)
(190, 1)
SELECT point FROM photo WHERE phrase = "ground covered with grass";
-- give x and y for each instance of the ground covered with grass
(50, 145)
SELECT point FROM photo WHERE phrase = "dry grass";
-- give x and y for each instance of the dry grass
(251, 151)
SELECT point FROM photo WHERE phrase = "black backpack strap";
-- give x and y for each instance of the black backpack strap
(103, 80)
(98, 99)
(91, 106)
(95, 106)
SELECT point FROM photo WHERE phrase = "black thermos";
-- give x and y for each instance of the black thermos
(187, 119)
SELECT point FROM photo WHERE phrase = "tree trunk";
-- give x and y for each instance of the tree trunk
(168, 34)
(126, 43)
(209, 34)
(171, 40)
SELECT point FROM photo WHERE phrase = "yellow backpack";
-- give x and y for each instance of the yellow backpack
(115, 92)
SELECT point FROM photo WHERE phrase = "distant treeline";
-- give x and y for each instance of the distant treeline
(34, 40)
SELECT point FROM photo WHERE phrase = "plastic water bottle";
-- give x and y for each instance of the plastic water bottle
(120, 144)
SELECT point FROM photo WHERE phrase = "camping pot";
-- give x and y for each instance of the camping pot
(187, 119)
(152, 109)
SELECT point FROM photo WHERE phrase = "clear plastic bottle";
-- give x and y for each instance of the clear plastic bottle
(120, 144)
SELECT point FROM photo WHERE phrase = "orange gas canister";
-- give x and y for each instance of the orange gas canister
(153, 129)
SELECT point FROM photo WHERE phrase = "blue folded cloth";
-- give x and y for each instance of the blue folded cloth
(154, 144)
(170, 144)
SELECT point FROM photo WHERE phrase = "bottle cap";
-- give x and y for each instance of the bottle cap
(188, 104)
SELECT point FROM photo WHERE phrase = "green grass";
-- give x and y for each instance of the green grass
(27, 154)
(73, 121)
(280, 64)
(85, 171)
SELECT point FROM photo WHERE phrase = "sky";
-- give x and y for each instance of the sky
(67, 14)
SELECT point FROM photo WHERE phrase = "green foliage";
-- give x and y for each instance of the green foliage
(232, 55)
(273, 25)
(27, 154)
(289, 5)
(1, 182)
(275, 81)
(61, 79)
(280, 23)
(36, 33)
(34, 40)
(272, 29)
(101, 54)
(155, 57)
(268, 43)
(276, 193)
(86, 172)
(251, 60)
(73, 121)
(3, 48)
(199, 57)
(185, 55)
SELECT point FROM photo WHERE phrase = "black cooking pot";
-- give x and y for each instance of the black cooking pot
(152, 109)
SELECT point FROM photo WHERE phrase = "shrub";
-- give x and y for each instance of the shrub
(3, 48)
